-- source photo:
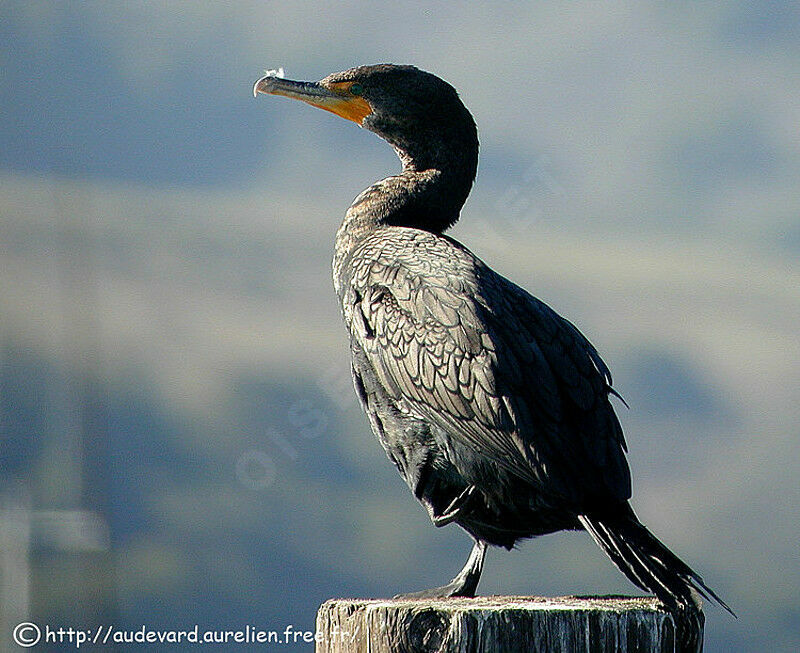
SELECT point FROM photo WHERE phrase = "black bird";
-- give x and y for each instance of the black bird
(494, 408)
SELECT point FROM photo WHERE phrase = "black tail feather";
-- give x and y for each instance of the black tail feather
(649, 564)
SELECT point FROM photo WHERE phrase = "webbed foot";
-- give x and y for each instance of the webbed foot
(465, 584)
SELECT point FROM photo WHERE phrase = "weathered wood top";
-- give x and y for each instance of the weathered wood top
(494, 624)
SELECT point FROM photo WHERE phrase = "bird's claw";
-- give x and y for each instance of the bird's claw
(454, 509)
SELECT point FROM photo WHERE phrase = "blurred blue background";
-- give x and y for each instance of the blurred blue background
(179, 439)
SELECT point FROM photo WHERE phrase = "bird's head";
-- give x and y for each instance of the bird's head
(415, 111)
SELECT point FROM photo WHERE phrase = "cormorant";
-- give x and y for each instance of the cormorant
(494, 408)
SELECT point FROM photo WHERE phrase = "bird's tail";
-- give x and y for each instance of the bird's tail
(649, 564)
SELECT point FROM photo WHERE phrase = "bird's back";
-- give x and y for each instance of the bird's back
(495, 373)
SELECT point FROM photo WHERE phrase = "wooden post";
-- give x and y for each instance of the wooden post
(497, 624)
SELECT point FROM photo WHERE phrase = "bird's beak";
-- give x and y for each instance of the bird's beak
(335, 97)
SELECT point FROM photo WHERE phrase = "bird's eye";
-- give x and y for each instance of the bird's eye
(356, 89)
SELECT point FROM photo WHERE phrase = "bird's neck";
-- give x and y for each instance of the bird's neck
(429, 199)
(428, 194)
(421, 199)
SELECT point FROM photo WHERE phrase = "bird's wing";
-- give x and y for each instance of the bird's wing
(491, 365)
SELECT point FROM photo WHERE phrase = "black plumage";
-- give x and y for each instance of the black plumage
(494, 408)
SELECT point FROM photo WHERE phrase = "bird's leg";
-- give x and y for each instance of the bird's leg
(454, 509)
(464, 584)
